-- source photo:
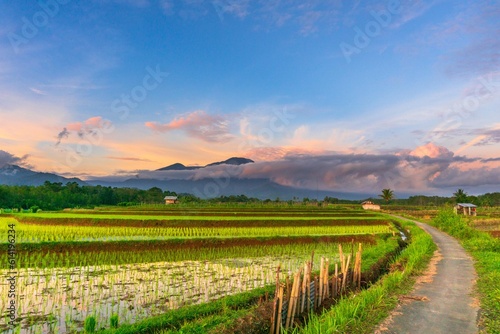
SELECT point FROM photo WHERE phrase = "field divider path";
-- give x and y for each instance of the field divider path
(441, 301)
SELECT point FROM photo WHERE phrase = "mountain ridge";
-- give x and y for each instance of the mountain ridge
(231, 161)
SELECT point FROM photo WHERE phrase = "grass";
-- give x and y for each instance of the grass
(69, 254)
(235, 216)
(28, 233)
(486, 251)
(64, 258)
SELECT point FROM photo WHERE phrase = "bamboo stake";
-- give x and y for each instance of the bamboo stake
(280, 308)
(344, 274)
(276, 311)
(288, 287)
(293, 301)
(335, 280)
(304, 288)
(326, 290)
(341, 257)
(360, 250)
(321, 274)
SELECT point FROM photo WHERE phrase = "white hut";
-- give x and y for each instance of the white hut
(466, 209)
(369, 205)
(170, 199)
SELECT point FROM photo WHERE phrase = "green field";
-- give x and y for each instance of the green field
(138, 264)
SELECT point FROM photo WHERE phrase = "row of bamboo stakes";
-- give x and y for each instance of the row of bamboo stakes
(300, 298)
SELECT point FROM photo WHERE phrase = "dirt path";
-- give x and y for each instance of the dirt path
(441, 301)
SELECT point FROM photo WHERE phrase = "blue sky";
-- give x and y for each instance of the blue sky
(119, 86)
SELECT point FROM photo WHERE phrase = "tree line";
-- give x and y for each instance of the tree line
(57, 196)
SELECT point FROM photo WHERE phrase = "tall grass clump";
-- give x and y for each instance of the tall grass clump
(89, 324)
(486, 252)
(113, 321)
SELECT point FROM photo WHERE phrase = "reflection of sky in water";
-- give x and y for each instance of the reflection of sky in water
(136, 291)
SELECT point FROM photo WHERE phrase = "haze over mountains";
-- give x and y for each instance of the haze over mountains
(212, 180)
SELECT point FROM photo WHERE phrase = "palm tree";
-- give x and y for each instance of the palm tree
(460, 196)
(387, 194)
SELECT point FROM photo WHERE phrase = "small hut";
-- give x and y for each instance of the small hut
(466, 209)
(369, 205)
(170, 199)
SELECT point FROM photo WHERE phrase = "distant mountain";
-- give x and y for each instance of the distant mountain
(230, 161)
(209, 187)
(178, 166)
(15, 175)
(205, 187)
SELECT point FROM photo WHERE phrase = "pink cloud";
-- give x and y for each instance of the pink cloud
(87, 127)
(93, 122)
(432, 151)
(198, 124)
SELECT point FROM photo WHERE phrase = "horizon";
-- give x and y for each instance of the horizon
(342, 97)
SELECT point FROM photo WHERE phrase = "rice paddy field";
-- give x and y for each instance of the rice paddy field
(139, 262)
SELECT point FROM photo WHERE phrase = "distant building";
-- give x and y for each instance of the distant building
(369, 205)
(466, 209)
(170, 199)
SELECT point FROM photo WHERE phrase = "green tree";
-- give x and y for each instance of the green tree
(460, 196)
(387, 194)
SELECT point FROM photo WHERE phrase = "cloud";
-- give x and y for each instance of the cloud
(133, 3)
(425, 168)
(198, 124)
(128, 159)
(411, 10)
(489, 137)
(167, 7)
(87, 128)
(62, 135)
(37, 91)
(431, 150)
(7, 158)
(238, 8)
(455, 177)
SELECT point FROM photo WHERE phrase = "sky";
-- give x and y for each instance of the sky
(338, 95)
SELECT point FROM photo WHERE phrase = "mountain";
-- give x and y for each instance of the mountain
(16, 175)
(207, 187)
(210, 187)
(230, 161)
(178, 166)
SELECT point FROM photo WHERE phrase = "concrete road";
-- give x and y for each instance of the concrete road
(442, 302)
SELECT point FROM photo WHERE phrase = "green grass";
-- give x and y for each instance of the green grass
(50, 215)
(54, 255)
(486, 251)
(28, 233)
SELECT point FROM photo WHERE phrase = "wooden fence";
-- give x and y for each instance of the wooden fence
(305, 293)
